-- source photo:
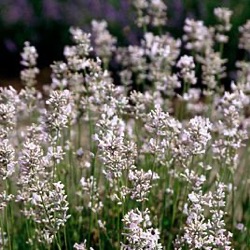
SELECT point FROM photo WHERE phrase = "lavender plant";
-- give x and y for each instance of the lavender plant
(158, 161)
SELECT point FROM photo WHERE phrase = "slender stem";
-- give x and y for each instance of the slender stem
(90, 227)
(221, 49)
(27, 226)
(6, 216)
(79, 128)
(176, 198)
(65, 238)
(233, 199)
(2, 228)
(8, 228)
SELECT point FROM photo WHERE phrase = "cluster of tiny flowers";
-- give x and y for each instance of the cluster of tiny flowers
(151, 61)
(200, 232)
(155, 46)
(29, 60)
(59, 75)
(162, 52)
(48, 208)
(232, 134)
(193, 101)
(198, 134)
(141, 103)
(187, 66)
(141, 183)
(213, 69)
(43, 200)
(197, 36)
(104, 42)
(7, 168)
(245, 36)
(7, 113)
(243, 75)
(139, 232)
(7, 151)
(157, 12)
(150, 12)
(223, 15)
(102, 96)
(91, 192)
(7, 116)
(30, 102)
(220, 236)
(32, 165)
(69, 74)
(114, 152)
(7, 159)
(82, 246)
(171, 136)
(76, 54)
(59, 112)
(29, 96)
(112, 144)
(163, 132)
(133, 60)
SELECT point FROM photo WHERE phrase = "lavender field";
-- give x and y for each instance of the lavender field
(137, 147)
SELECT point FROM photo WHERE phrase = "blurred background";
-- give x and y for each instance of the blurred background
(45, 24)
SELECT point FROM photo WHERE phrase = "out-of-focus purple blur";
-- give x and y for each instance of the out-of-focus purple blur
(45, 23)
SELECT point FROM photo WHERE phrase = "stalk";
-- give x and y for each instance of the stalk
(2, 228)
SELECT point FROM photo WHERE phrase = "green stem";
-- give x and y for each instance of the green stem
(90, 227)
(8, 228)
(176, 198)
(65, 238)
(6, 217)
(27, 225)
(2, 228)
(233, 199)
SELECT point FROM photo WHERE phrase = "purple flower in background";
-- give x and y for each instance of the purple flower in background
(178, 8)
(10, 45)
(78, 12)
(52, 9)
(16, 10)
(74, 12)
